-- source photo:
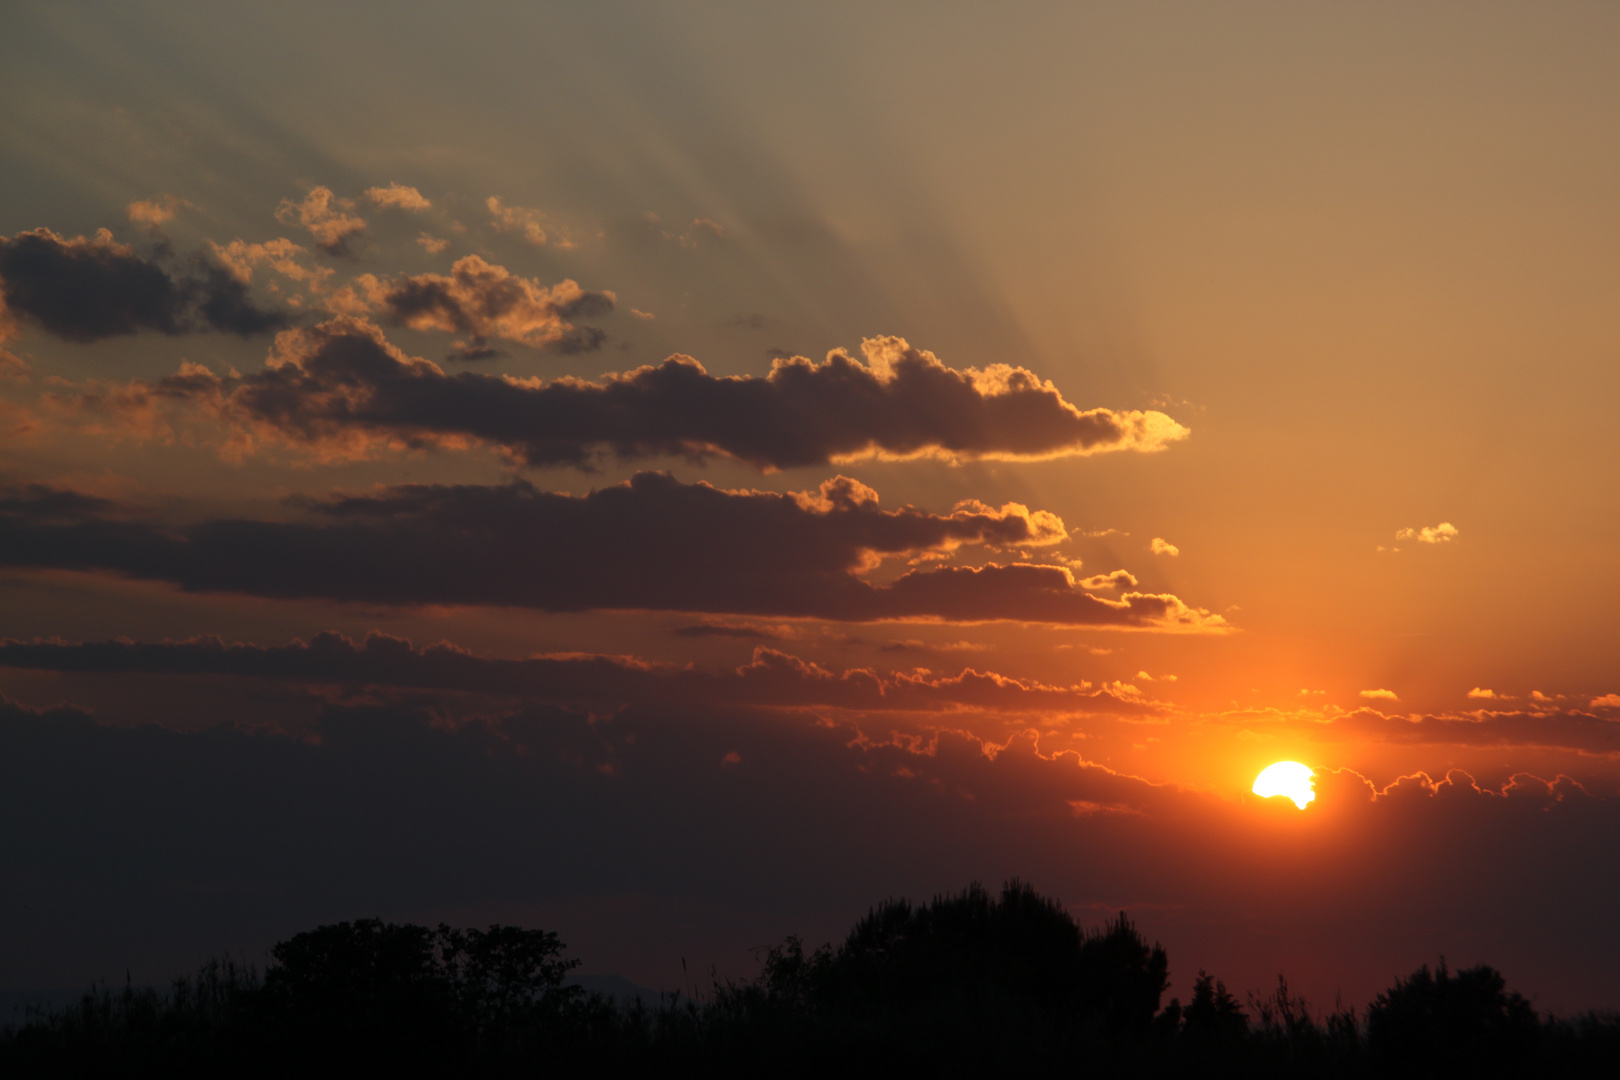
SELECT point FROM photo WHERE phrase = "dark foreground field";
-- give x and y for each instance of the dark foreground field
(968, 985)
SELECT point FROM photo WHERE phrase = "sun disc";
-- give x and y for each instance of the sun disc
(1288, 778)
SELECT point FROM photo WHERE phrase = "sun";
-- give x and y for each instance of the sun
(1288, 778)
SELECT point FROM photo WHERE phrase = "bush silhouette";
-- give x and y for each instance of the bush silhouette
(372, 993)
(1457, 1022)
(971, 980)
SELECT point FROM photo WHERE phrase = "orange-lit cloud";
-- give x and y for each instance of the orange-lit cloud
(529, 224)
(488, 301)
(241, 257)
(1160, 546)
(398, 197)
(154, 213)
(326, 218)
(1443, 533)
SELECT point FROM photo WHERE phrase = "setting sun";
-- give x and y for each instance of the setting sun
(1288, 778)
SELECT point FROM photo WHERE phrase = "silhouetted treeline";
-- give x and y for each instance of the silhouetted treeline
(969, 985)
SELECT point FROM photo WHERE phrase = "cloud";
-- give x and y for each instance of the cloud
(325, 217)
(398, 197)
(648, 544)
(85, 289)
(1607, 701)
(489, 301)
(1386, 695)
(240, 258)
(1160, 546)
(342, 389)
(1482, 694)
(771, 678)
(720, 628)
(529, 224)
(1118, 579)
(431, 244)
(1560, 729)
(1443, 533)
(154, 213)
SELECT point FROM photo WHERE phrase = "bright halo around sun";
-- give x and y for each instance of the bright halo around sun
(1288, 778)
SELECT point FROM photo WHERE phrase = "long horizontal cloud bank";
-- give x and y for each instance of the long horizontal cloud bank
(648, 544)
(772, 678)
(744, 825)
(342, 389)
(1572, 729)
(88, 288)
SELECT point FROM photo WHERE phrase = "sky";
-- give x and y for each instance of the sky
(680, 474)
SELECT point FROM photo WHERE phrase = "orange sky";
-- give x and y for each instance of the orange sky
(1304, 320)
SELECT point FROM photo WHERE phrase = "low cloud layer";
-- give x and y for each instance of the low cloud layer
(711, 830)
(772, 678)
(651, 543)
(84, 289)
(342, 389)
(1556, 727)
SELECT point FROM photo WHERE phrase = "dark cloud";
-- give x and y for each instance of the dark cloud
(648, 544)
(343, 389)
(1571, 729)
(748, 631)
(703, 831)
(772, 678)
(85, 289)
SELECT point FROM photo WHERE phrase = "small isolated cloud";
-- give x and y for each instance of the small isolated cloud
(1161, 546)
(432, 244)
(323, 214)
(1607, 701)
(1481, 694)
(639, 314)
(529, 224)
(1384, 695)
(398, 197)
(1119, 579)
(154, 212)
(710, 226)
(1443, 533)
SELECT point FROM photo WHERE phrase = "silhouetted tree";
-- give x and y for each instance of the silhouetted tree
(1213, 1018)
(1448, 1022)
